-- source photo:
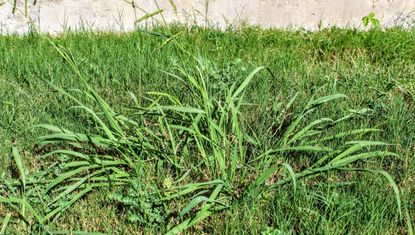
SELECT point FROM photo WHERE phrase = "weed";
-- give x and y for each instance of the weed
(199, 145)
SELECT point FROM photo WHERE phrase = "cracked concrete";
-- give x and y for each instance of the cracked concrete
(54, 16)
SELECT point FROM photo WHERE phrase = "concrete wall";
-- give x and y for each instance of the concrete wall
(56, 15)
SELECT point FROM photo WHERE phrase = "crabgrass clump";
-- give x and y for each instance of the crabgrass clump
(211, 157)
(218, 139)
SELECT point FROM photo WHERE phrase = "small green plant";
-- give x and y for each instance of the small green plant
(141, 203)
(372, 20)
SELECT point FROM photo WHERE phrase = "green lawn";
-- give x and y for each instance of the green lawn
(182, 130)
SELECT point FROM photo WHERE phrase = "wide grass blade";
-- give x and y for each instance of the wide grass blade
(269, 172)
(357, 146)
(24, 203)
(5, 223)
(391, 181)
(69, 174)
(246, 82)
(149, 15)
(327, 99)
(202, 214)
(189, 188)
(20, 167)
(58, 211)
(173, 5)
(193, 203)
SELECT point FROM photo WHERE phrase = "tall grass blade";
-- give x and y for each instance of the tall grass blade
(246, 82)
(24, 203)
(150, 15)
(20, 167)
(5, 223)
(391, 181)
(173, 5)
(202, 214)
(192, 204)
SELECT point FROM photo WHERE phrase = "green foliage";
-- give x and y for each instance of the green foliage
(371, 18)
(212, 129)
(198, 145)
(141, 202)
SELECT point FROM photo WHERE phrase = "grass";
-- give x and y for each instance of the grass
(196, 130)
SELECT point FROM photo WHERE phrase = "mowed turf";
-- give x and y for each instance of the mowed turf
(374, 69)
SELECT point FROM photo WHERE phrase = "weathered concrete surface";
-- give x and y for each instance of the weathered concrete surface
(57, 15)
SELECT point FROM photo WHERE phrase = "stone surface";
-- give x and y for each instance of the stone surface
(57, 15)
